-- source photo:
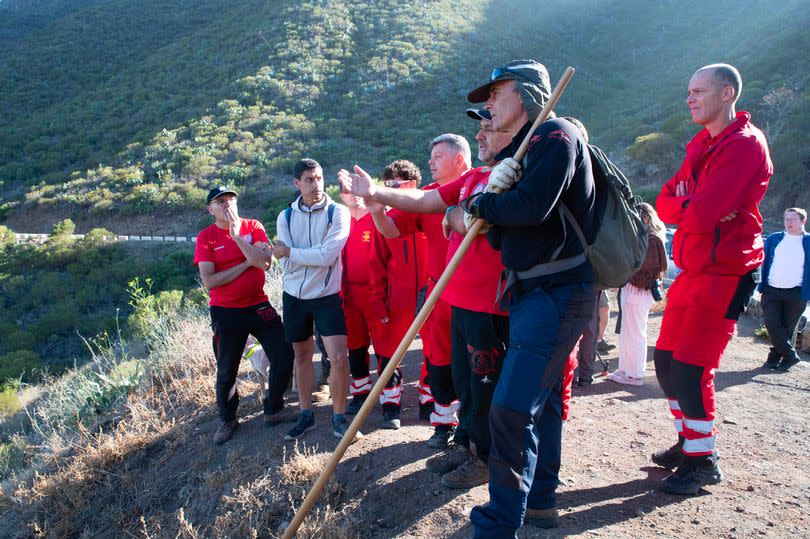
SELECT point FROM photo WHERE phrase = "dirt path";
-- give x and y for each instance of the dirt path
(608, 483)
(178, 484)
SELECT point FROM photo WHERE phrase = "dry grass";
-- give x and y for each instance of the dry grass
(145, 468)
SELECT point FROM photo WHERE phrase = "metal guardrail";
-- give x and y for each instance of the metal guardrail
(24, 237)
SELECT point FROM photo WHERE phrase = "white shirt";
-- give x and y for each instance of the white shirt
(788, 263)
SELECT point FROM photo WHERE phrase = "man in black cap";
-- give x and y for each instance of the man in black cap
(232, 255)
(550, 288)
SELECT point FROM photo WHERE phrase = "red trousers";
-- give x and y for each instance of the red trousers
(699, 320)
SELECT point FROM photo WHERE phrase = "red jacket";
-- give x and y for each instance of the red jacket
(725, 174)
(397, 270)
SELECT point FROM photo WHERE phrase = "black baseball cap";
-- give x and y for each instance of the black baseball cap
(479, 114)
(532, 81)
(217, 192)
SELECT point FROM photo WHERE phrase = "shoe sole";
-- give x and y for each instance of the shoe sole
(438, 444)
(442, 469)
(289, 436)
(545, 523)
(339, 435)
(665, 464)
(714, 480)
(449, 483)
(785, 368)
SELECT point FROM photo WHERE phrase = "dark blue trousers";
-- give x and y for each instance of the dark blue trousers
(525, 418)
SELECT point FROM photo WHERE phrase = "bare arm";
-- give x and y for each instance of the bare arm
(412, 200)
(385, 225)
(212, 279)
(259, 256)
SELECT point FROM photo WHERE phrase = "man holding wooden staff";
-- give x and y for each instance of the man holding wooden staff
(550, 287)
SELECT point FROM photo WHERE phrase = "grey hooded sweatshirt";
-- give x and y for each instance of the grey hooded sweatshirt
(313, 269)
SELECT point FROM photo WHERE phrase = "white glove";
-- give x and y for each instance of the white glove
(469, 220)
(503, 176)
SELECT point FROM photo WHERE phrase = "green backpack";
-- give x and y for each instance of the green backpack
(620, 238)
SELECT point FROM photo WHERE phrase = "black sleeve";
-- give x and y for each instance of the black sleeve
(551, 163)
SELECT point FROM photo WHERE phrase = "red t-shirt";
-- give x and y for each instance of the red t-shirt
(431, 225)
(474, 285)
(356, 251)
(215, 245)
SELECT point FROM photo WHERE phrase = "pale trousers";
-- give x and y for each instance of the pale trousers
(635, 305)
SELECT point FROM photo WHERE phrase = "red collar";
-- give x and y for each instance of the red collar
(743, 118)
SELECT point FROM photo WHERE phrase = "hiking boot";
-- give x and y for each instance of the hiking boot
(689, 478)
(285, 415)
(621, 378)
(448, 460)
(603, 347)
(772, 362)
(471, 473)
(786, 364)
(583, 381)
(425, 410)
(305, 423)
(442, 435)
(390, 419)
(669, 458)
(225, 431)
(356, 404)
(542, 518)
(340, 425)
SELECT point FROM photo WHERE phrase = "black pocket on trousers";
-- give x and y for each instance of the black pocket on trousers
(742, 296)
(421, 298)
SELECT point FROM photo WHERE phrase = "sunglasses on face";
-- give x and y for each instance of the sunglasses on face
(394, 184)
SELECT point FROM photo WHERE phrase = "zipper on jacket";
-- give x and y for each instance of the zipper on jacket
(714, 245)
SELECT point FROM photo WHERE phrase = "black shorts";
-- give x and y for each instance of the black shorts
(325, 312)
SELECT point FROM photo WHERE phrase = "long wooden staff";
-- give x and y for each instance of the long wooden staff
(383, 377)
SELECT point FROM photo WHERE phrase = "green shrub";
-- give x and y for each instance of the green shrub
(97, 236)
(20, 364)
(14, 455)
(762, 333)
(148, 308)
(65, 227)
(654, 149)
(9, 404)
(101, 391)
(7, 238)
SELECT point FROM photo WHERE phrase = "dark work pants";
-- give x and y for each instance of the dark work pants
(526, 413)
(587, 346)
(479, 342)
(231, 329)
(782, 308)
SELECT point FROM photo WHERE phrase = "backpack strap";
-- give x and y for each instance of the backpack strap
(288, 218)
(330, 212)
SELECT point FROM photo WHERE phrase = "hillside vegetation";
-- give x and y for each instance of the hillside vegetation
(136, 108)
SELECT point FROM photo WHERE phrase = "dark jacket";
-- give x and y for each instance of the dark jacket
(770, 248)
(528, 228)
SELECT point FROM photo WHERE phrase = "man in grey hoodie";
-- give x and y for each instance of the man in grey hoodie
(311, 235)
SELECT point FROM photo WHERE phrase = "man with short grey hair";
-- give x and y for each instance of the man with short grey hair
(457, 143)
